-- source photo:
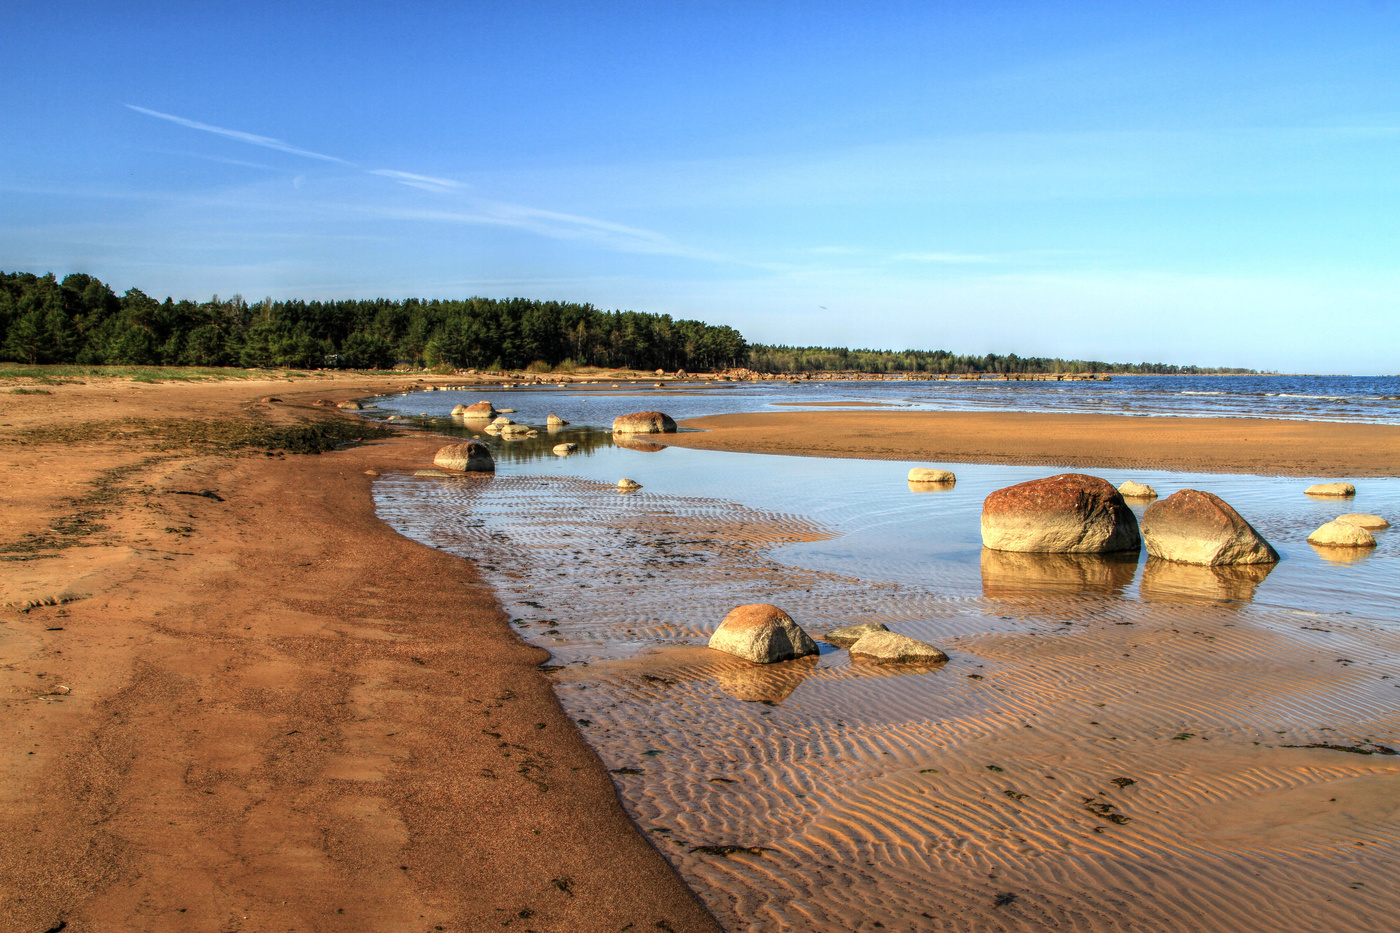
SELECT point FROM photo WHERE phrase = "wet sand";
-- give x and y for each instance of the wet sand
(1176, 762)
(266, 710)
(1203, 445)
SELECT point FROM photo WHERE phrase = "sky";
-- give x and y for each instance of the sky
(1196, 183)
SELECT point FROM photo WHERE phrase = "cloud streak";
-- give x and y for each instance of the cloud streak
(553, 224)
(266, 142)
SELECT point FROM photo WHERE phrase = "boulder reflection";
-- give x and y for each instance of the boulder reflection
(1168, 581)
(1342, 555)
(765, 683)
(635, 443)
(1015, 574)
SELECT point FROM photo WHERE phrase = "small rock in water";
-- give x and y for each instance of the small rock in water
(1132, 490)
(845, 637)
(502, 421)
(554, 421)
(894, 648)
(763, 634)
(644, 422)
(1364, 520)
(1342, 534)
(931, 475)
(471, 457)
(507, 411)
(1338, 490)
(351, 405)
(479, 411)
(563, 449)
(626, 483)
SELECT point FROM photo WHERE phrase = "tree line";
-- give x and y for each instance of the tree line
(81, 320)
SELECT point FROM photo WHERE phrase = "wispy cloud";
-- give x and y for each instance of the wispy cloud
(555, 224)
(946, 258)
(425, 182)
(266, 142)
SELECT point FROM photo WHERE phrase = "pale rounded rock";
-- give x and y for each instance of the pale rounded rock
(514, 428)
(351, 405)
(554, 421)
(1194, 527)
(763, 634)
(1067, 514)
(1132, 490)
(845, 637)
(562, 449)
(1333, 490)
(1342, 534)
(894, 648)
(644, 422)
(1364, 520)
(626, 483)
(931, 475)
(477, 411)
(471, 457)
(506, 411)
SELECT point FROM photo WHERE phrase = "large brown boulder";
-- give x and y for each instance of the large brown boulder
(1066, 514)
(763, 634)
(1194, 527)
(471, 457)
(644, 422)
(480, 411)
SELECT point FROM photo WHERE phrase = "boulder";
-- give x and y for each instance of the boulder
(514, 428)
(763, 634)
(1066, 514)
(931, 475)
(1194, 527)
(562, 449)
(506, 411)
(1335, 490)
(501, 421)
(1342, 534)
(644, 422)
(845, 637)
(1363, 520)
(894, 648)
(478, 411)
(554, 421)
(471, 457)
(626, 483)
(1132, 490)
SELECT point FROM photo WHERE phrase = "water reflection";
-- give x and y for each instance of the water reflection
(1342, 555)
(765, 683)
(636, 443)
(1168, 581)
(921, 488)
(1012, 574)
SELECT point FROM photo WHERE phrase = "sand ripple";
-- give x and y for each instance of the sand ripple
(1086, 760)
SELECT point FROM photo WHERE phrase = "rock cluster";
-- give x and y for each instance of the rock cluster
(1067, 514)
(1342, 534)
(644, 422)
(471, 457)
(1194, 527)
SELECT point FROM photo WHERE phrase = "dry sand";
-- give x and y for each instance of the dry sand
(1199, 445)
(268, 711)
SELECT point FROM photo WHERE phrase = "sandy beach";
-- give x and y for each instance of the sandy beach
(262, 709)
(239, 700)
(1204, 445)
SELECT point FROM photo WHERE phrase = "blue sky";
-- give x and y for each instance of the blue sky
(1183, 182)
